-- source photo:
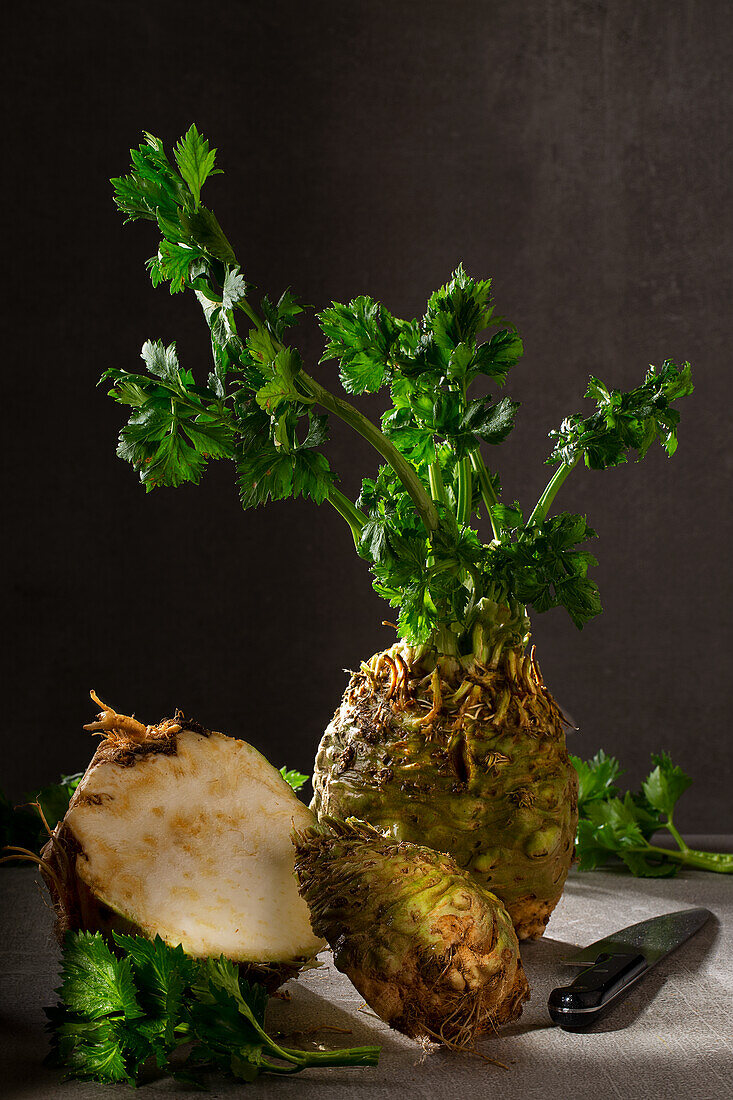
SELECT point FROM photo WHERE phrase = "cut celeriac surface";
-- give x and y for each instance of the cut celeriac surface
(185, 833)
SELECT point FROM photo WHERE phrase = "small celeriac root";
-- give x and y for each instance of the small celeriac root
(431, 951)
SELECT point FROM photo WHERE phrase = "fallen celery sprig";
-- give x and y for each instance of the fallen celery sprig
(612, 828)
(153, 1003)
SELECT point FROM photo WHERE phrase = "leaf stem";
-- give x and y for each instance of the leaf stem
(721, 862)
(440, 494)
(365, 1056)
(437, 485)
(488, 495)
(254, 317)
(345, 508)
(542, 506)
(405, 471)
(350, 1056)
(465, 491)
(445, 640)
(680, 842)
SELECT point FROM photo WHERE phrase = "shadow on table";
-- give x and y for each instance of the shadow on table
(23, 1045)
(311, 1019)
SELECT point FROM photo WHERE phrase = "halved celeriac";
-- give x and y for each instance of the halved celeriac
(185, 833)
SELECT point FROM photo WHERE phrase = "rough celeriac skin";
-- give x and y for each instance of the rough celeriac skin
(184, 833)
(466, 758)
(432, 952)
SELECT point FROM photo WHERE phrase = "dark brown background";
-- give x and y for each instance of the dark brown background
(581, 153)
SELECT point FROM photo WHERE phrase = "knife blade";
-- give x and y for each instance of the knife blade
(618, 961)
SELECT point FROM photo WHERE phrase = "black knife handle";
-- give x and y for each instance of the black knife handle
(595, 990)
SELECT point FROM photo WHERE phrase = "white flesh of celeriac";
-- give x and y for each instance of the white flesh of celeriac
(195, 846)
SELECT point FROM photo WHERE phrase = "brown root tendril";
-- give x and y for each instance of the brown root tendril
(31, 857)
(110, 722)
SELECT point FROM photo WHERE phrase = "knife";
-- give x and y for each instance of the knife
(618, 962)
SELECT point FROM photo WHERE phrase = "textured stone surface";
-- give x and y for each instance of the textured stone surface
(671, 1037)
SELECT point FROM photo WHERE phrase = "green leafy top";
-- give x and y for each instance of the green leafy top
(149, 1002)
(414, 522)
(624, 421)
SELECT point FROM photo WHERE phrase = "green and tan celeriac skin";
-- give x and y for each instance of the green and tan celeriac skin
(432, 952)
(182, 832)
(463, 757)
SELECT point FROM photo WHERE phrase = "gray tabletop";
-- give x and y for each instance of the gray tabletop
(671, 1037)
